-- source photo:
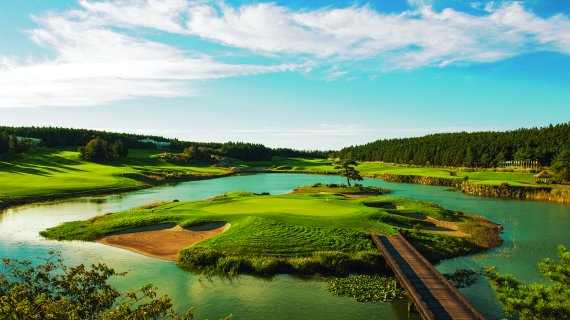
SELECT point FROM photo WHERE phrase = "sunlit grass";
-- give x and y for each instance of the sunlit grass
(51, 171)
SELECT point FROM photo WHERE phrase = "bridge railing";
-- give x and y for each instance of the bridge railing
(414, 296)
(443, 279)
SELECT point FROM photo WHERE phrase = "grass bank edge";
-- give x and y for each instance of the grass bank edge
(476, 182)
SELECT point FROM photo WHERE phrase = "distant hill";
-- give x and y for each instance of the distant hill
(475, 149)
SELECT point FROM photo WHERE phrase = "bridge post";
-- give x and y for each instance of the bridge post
(411, 307)
(444, 299)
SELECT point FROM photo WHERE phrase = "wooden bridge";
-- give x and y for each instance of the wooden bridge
(431, 293)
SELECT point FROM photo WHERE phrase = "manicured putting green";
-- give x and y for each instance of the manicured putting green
(298, 205)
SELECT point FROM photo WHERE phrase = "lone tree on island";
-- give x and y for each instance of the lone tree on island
(346, 169)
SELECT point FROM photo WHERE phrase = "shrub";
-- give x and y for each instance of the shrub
(417, 227)
(52, 290)
(481, 233)
(210, 261)
(100, 149)
(536, 300)
(333, 261)
(268, 265)
(196, 257)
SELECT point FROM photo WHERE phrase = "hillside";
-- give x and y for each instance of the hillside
(475, 149)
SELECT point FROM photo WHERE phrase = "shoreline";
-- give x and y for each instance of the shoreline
(548, 194)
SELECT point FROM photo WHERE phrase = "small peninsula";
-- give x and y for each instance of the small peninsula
(319, 229)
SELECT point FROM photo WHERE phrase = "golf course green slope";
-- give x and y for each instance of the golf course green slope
(52, 172)
(297, 233)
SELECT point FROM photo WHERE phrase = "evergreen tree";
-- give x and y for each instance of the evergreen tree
(469, 149)
(346, 169)
(119, 149)
(537, 301)
(561, 166)
(4, 139)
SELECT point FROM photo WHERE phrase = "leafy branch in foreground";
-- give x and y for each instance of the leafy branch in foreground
(52, 290)
(537, 301)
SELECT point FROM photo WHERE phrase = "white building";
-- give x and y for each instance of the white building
(35, 142)
(158, 145)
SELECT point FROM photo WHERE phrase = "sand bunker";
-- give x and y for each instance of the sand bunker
(444, 227)
(163, 241)
(439, 226)
(359, 195)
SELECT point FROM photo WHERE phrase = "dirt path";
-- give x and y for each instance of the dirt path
(166, 243)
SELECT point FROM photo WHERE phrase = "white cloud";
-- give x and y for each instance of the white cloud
(162, 15)
(95, 64)
(407, 40)
(100, 53)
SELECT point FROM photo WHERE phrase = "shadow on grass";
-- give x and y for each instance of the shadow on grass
(14, 169)
(39, 164)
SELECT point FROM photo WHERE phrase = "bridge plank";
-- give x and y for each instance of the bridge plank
(433, 295)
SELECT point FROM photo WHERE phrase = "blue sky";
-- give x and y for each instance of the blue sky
(310, 75)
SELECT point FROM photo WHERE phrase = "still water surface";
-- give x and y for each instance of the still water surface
(532, 231)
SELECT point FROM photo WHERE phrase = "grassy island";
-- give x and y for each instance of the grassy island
(304, 232)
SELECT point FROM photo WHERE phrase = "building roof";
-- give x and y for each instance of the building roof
(542, 174)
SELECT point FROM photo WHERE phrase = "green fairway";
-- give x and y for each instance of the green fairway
(49, 172)
(288, 233)
(377, 168)
(279, 164)
(474, 175)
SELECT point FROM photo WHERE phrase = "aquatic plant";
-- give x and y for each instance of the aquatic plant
(365, 288)
(462, 278)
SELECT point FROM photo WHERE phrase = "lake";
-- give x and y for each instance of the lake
(532, 232)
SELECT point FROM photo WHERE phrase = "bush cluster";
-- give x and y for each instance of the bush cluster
(100, 149)
(214, 262)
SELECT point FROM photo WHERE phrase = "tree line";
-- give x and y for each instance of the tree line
(475, 149)
(69, 137)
